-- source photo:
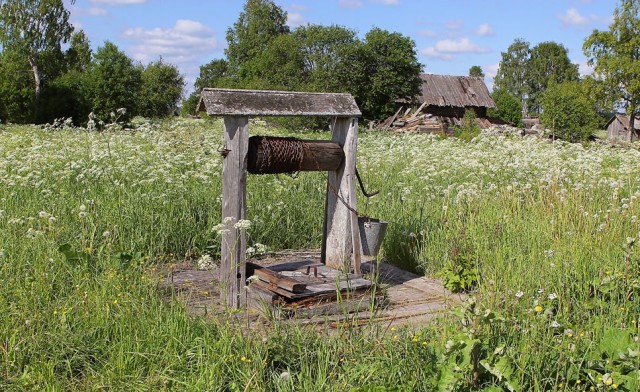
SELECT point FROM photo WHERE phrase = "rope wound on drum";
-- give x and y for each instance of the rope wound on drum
(272, 155)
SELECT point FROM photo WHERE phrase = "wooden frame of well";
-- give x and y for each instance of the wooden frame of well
(341, 246)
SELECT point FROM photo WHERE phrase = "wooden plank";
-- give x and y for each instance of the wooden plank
(259, 298)
(234, 207)
(415, 114)
(280, 280)
(344, 306)
(338, 245)
(323, 288)
(229, 102)
(390, 120)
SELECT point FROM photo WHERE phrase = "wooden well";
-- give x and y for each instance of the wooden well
(341, 247)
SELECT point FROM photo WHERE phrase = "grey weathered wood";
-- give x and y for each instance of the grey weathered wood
(228, 102)
(234, 206)
(417, 112)
(338, 246)
(318, 289)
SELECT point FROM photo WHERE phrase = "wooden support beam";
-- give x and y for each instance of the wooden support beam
(341, 243)
(234, 207)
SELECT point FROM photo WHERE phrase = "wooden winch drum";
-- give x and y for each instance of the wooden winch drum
(273, 155)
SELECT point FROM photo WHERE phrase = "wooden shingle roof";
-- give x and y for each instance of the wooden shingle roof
(624, 120)
(455, 91)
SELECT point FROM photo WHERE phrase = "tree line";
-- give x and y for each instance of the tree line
(543, 81)
(39, 81)
(264, 53)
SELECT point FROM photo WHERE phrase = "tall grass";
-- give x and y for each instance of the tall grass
(84, 217)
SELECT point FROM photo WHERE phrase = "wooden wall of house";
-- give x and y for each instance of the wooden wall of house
(616, 130)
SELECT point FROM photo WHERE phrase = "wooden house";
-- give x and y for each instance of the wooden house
(450, 96)
(618, 127)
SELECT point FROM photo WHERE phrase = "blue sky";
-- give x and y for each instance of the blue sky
(450, 36)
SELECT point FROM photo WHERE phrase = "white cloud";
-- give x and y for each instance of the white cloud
(186, 42)
(118, 2)
(428, 33)
(433, 53)
(350, 3)
(484, 30)
(295, 19)
(585, 69)
(453, 24)
(573, 18)
(492, 70)
(446, 49)
(386, 2)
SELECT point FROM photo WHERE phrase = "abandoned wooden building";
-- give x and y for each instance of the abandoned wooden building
(442, 102)
(618, 127)
(450, 96)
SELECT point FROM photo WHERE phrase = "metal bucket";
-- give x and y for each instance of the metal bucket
(371, 234)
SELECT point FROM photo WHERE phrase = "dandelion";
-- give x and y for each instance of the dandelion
(43, 214)
(286, 376)
(106, 233)
(538, 308)
(52, 219)
(82, 214)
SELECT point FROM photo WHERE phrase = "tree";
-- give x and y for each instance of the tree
(79, 53)
(382, 70)
(324, 49)
(548, 63)
(615, 56)
(33, 27)
(258, 23)
(512, 73)
(567, 110)
(476, 71)
(16, 88)
(161, 89)
(114, 82)
(508, 109)
(279, 67)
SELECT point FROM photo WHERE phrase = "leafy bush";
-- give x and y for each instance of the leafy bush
(468, 129)
(568, 112)
(508, 108)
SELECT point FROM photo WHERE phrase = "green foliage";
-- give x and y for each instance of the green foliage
(258, 23)
(161, 90)
(78, 56)
(460, 273)
(33, 28)
(16, 88)
(614, 55)
(567, 111)
(548, 64)
(469, 128)
(476, 71)
(385, 69)
(512, 74)
(509, 108)
(469, 359)
(114, 82)
(324, 50)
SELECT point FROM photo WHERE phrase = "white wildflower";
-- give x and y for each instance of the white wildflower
(242, 224)
(552, 296)
(519, 294)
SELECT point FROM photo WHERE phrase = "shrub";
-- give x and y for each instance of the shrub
(567, 110)
(508, 109)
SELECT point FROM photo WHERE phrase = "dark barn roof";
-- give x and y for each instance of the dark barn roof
(455, 91)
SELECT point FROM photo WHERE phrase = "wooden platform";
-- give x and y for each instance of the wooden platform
(384, 295)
